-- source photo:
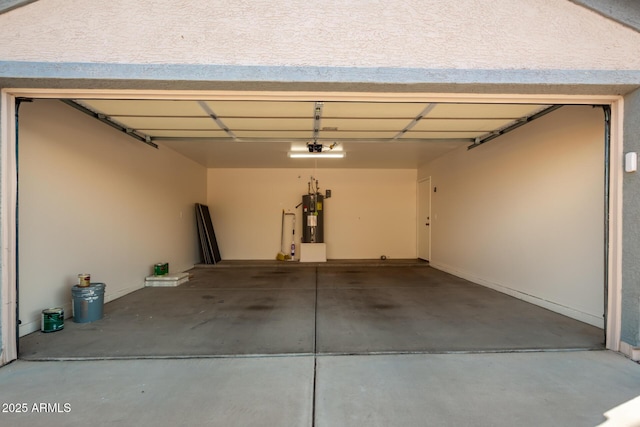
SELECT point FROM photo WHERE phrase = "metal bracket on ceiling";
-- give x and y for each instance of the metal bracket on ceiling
(216, 119)
(107, 120)
(415, 121)
(512, 126)
(317, 117)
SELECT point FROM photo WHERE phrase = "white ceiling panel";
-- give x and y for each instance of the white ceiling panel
(185, 123)
(274, 155)
(483, 111)
(389, 125)
(467, 125)
(185, 134)
(441, 135)
(225, 109)
(324, 135)
(162, 108)
(372, 109)
(272, 135)
(269, 124)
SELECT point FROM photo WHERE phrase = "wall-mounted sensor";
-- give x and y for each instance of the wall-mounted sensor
(631, 162)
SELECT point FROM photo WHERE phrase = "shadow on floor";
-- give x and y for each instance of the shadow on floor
(347, 308)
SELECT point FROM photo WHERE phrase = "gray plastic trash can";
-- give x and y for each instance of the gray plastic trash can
(88, 302)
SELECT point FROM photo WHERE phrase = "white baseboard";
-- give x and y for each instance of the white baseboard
(630, 351)
(549, 305)
(110, 296)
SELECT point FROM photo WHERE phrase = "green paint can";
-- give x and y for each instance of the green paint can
(52, 320)
(161, 269)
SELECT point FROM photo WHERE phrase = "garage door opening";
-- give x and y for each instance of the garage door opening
(162, 175)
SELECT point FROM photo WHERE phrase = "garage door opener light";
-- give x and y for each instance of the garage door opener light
(317, 151)
(306, 155)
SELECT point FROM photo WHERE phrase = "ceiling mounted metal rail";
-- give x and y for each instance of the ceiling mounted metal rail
(317, 117)
(107, 120)
(520, 122)
(415, 121)
(216, 119)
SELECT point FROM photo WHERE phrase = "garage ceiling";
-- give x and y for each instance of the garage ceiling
(244, 133)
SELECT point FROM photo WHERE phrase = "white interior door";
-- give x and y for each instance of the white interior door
(424, 219)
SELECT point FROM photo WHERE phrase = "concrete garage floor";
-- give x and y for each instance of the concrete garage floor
(306, 310)
(293, 345)
(493, 390)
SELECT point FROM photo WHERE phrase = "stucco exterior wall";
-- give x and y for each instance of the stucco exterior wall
(631, 227)
(468, 34)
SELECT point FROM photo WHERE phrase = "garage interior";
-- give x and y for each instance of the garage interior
(515, 242)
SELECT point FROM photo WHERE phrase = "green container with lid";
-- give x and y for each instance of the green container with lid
(52, 320)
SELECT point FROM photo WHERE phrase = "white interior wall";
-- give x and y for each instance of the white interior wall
(524, 213)
(93, 200)
(371, 212)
